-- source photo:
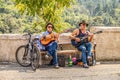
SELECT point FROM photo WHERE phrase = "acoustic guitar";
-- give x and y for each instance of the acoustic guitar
(45, 41)
(82, 40)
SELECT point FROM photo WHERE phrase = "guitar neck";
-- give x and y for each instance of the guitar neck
(87, 36)
(84, 37)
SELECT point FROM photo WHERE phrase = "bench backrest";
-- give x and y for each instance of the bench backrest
(65, 41)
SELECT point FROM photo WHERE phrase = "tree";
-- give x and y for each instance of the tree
(47, 10)
(95, 12)
(11, 21)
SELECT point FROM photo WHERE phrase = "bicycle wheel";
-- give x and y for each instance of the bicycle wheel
(35, 58)
(23, 56)
(92, 61)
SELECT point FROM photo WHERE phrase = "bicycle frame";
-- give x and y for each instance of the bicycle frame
(29, 45)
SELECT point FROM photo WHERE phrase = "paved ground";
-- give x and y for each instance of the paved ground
(12, 71)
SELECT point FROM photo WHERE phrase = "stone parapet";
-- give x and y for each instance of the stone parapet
(108, 43)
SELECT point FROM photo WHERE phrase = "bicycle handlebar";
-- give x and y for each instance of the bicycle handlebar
(29, 33)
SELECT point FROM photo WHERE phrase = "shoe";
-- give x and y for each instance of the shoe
(56, 67)
(46, 57)
(85, 66)
(89, 57)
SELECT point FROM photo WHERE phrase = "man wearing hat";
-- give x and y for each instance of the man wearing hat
(84, 44)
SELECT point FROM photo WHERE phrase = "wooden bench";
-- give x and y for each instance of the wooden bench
(65, 47)
(61, 50)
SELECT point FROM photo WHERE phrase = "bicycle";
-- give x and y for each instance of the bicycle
(28, 55)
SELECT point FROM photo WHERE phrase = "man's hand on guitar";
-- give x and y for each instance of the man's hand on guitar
(48, 36)
(90, 36)
(77, 39)
(45, 40)
(74, 38)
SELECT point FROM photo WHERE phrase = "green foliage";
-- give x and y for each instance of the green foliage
(48, 10)
(64, 14)
(10, 20)
(95, 12)
(8, 24)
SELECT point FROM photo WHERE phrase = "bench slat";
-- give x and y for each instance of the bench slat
(62, 52)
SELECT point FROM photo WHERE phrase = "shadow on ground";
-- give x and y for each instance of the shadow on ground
(6, 66)
(13, 66)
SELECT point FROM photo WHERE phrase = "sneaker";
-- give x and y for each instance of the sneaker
(89, 58)
(56, 67)
(46, 57)
(85, 66)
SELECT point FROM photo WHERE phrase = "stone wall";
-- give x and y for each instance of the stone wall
(107, 48)
(108, 43)
(8, 45)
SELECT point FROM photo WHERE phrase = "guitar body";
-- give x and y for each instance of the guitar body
(74, 43)
(82, 40)
(46, 41)
(77, 44)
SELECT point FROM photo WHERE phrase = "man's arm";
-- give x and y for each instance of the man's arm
(56, 35)
(91, 35)
(45, 35)
(74, 34)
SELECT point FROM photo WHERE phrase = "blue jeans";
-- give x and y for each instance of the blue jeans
(85, 47)
(52, 48)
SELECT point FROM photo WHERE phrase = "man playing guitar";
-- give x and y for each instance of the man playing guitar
(48, 42)
(85, 44)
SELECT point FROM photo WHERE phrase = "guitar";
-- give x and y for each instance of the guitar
(77, 44)
(45, 41)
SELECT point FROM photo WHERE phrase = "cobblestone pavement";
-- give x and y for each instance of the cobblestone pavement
(13, 71)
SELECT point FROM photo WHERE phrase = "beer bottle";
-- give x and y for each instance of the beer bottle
(70, 61)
